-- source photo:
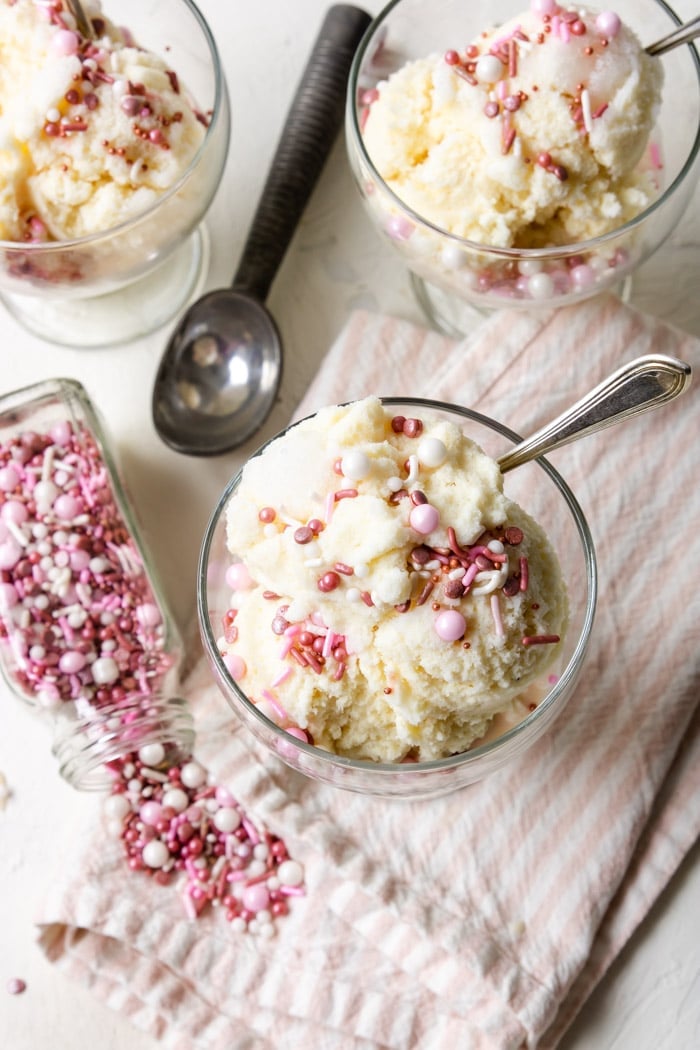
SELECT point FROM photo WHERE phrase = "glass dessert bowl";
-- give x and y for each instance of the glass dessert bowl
(507, 247)
(98, 257)
(505, 731)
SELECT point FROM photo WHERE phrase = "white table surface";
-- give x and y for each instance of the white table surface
(651, 998)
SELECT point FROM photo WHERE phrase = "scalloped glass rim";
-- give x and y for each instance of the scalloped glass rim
(465, 758)
(35, 248)
(577, 247)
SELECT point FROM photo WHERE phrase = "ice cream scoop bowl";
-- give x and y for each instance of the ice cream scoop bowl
(545, 495)
(218, 378)
(121, 281)
(449, 270)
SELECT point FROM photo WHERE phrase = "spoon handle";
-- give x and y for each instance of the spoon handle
(644, 383)
(309, 131)
(682, 35)
(81, 19)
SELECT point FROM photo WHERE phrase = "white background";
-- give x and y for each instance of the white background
(651, 998)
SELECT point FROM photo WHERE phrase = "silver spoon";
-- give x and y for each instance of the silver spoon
(220, 372)
(682, 35)
(642, 384)
(81, 19)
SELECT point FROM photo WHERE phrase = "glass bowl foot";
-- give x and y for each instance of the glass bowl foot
(128, 313)
(457, 318)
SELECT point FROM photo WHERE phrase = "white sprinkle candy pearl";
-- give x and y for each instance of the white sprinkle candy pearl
(488, 69)
(193, 775)
(155, 854)
(355, 465)
(176, 799)
(117, 806)
(152, 754)
(540, 286)
(432, 452)
(227, 819)
(290, 873)
(105, 670)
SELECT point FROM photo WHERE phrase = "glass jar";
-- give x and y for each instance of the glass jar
(85, 633)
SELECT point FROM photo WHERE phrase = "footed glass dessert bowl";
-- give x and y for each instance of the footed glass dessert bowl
(121, 139)
(426, 659)
(517, 155)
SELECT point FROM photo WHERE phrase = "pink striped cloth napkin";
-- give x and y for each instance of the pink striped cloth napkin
(483, 919)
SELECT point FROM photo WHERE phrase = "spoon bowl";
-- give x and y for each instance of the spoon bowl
(221, 373)
(219, 376)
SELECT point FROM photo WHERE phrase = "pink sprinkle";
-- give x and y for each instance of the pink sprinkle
(524, 574)
(424, 518)
(450, 625)
(486, 552)
(298, 733)
(344, 494)
(251, 831)
(189, 907)
(281, 677)
(313, 662)
(16, 986)
(71, 662)
(151, 813)
(543, 7)
(256, 897)
(65, 42)
(399, 228)
(508, 137)
(148, 614)
(497, 618)
(9, 478)
(608, 24)
(469, 575)
(275, 705)
(288, 640)
(512, 58)
(238, 578)
(224, 797)
(236, 666)
(655, 156)
(292, 891)
(67, 507)
(328, 643)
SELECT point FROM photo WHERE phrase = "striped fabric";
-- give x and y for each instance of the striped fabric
(481, 920)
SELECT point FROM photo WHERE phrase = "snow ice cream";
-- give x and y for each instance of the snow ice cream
(92, 132)
(534, 135)
(388, 601)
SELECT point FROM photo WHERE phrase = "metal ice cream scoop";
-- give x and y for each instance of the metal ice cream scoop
(220, 372)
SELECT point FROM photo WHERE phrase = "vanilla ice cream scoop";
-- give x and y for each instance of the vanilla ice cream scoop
(92, 132)
(388, 600)
(536, 134)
